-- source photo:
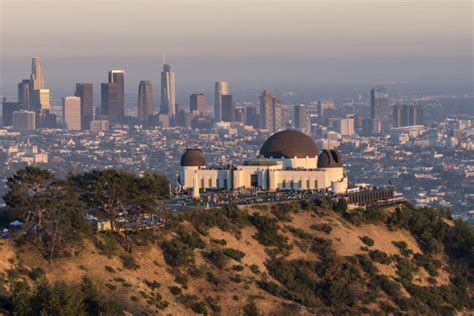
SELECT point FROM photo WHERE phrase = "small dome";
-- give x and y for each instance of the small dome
(193, 157)
(329, 159)
(289, 144)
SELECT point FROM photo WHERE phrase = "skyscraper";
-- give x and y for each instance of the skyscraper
(37, 77)
(346, 125)
(145, 101)
(277, 115)
(301, 118)
(39, 100)
(228, 108)
(7, 111)
(379, 109)
(407, 115)
(324, 108)
(23, 121)
(117, 111)
(168, 92)
(24, 94)
(110, 102)
(72, 113)
(251, 116)
(266, 110)
(415, 114)
(221, 88)
(85, 92)
(197, 102)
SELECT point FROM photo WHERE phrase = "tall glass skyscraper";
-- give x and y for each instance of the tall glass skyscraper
(221, 88)
(84, 91)
(113, 97)
(380, 111)
(145, 101)
(37, 77)
(168, 92)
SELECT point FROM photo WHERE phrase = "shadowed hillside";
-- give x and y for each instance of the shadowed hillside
(310, 257)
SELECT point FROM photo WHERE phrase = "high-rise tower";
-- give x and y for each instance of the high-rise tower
(380, 111)
(145, 101)
(72, 113)
(301, 118)
(266, 110)
(84, 91)
(168, 92)
(197, 103)
(221, 88)
(113, 97)
(37, 77)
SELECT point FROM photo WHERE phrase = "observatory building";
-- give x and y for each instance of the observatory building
(288, 160)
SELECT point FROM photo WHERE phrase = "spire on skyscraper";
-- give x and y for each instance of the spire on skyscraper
(37, 78)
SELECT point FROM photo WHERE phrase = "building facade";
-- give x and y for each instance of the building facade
(85, 92)
(23, 121)
(145, 101)
(168, 92)
(197, 103)
(220, 88)
(72, 113)
(380, 110)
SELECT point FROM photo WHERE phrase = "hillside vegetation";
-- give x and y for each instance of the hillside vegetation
(310, 257)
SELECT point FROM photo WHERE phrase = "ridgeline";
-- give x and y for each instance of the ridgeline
(295, 258)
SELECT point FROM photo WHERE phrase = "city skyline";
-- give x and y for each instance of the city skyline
(324, 52)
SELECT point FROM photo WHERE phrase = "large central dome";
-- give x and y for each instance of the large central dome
(289, 144)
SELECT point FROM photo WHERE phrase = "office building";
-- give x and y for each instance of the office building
(116, 106)
(228, 108)
(407, 115)
(72, 113)
(240, 115)
(40, 100)
(251, 116)
(326, 110)
(7, 111)
(346, 125)
(46, 119)
(277, 115)
(37, 77)
(145, 101)
(221, 88)
(197, 103)
(85, 92)
(380, 110)
(23, 121)
(301, 118)
(168, 92)
(99, 125)
(110, 102)
(24, 93)
(266, 110)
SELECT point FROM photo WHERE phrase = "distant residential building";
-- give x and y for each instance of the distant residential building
(380, 110)
(266, 110)
(228, 108)
(99, 125)
(40, 100)
(24, 92)
(85, 92)
(301, 118)
(72, 113)
(168, 92)
(277, 115)
(145, 101)
(7, 112)
(197, 103)
(23, 121)
(221, 88)
(346, 125)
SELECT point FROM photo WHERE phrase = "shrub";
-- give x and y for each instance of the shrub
(199, 308)
(36, 273)
(238, 267)
(234, 254)
(326, 228)
(403, 247)
(254, 268)
(109, 269)
(251, 309)
(152, 284)
(367, 240)
(175, 290)
(267, 232)
(221, 242)
(216, 257)
(380, 256)
(129, 262)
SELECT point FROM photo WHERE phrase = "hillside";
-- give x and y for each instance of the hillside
(293, 258)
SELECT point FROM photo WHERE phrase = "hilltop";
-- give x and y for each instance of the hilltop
(308, 257)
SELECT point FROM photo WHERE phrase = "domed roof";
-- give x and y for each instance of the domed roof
(289, 144)
(193, 157)
(329, 159)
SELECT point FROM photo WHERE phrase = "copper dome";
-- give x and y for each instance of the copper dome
(289, 144)
(193, 157)
(329, 159)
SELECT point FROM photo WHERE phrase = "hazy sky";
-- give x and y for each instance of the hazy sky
(249, 43)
